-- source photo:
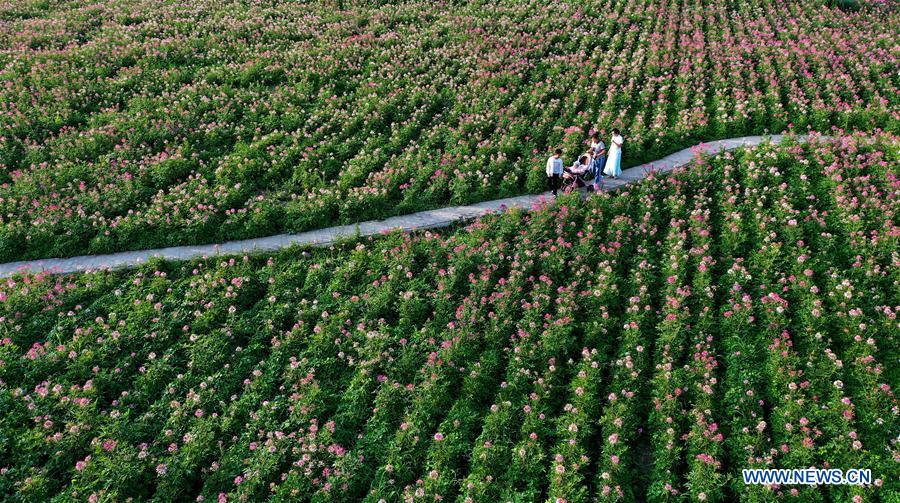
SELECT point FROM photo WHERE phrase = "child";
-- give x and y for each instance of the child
(554, 170)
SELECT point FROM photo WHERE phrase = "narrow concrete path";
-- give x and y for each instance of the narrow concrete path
(323, 237)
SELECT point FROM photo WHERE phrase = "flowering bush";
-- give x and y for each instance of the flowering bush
(145, 123)
(740, 313)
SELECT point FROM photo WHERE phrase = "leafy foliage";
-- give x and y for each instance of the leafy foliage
(647, 345)
(132, 124)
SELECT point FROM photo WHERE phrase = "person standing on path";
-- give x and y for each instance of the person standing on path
(613, 167)
(554, 170)
(599, 158)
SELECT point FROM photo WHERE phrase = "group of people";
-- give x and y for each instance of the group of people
(588, 170)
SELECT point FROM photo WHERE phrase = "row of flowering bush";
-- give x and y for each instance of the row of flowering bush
(136, 124)
(740, 313)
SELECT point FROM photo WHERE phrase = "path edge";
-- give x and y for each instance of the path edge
(328, 236)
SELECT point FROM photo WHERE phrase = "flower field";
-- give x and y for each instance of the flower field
(131, 124)
(640, 346)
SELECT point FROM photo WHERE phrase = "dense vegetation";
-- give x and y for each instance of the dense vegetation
(741, 313)
(129, 124)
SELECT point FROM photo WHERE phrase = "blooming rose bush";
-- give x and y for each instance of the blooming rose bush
(740, 313)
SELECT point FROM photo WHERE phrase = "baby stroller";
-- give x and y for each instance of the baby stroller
(574, 178)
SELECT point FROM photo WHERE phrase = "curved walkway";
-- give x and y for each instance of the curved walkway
(323, 237)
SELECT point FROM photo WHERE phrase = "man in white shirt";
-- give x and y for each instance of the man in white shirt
(554, 170)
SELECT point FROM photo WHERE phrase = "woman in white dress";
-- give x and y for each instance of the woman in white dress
(613, 167)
